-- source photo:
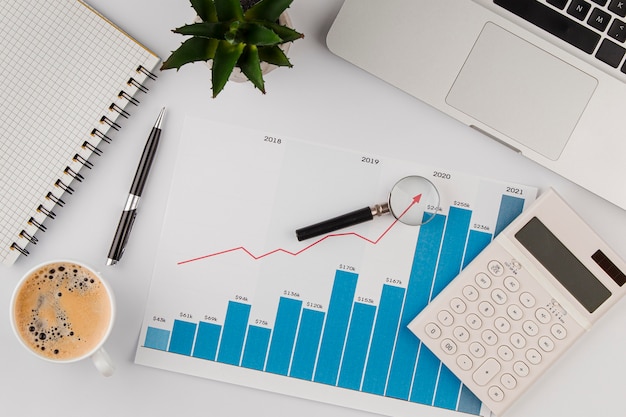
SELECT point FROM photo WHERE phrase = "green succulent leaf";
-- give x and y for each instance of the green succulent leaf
(205, 9)
(257, 34)
(274, 55)
(267, 10)
(204, 29)
(250, 65)
(226, 57)
(286, 34)
(228, 10)
(192, 50)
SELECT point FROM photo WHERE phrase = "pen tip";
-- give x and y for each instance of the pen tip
(111, 261)
(159, 120)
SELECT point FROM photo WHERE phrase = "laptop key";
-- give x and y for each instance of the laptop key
(618, 7)
(553, 22)
(579, 9)
(618, 31)
(610, 53)
(599, 19)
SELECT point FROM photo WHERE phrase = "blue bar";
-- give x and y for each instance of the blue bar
(285, 328)
(383, 339)
(476, 242)
(206, 341)
(510, 208)
(256, 347)
(334, 336)
(448, 389)
(417, 297)
(182, 337)
(307, 343)
(357, 343)
(234, 332)
(452, 249)
(469, 403)
(157, 338)
(425, 378)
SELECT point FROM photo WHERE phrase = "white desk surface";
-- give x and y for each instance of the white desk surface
(322, 98)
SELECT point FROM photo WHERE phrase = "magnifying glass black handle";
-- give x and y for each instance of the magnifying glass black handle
(340, 222)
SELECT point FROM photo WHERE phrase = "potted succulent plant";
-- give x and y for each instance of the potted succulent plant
(235, 35)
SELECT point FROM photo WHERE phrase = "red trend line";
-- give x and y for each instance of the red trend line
(415, 200)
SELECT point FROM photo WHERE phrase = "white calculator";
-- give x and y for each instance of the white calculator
(522, 302)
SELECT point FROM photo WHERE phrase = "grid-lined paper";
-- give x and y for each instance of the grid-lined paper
(62, 67)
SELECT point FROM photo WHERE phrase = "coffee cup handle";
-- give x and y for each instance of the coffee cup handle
(103, 362)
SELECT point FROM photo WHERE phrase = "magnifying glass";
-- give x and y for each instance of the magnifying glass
(409, 200)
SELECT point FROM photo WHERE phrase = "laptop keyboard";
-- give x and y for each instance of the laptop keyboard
(597, 27)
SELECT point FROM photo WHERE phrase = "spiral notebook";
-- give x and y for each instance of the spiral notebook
(68, 75)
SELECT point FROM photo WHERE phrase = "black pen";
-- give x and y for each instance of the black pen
(130, 210)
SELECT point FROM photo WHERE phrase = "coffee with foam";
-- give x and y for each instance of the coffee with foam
(62, 311)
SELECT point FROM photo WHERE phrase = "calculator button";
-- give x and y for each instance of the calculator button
(558, 331)
(474, 321)
(489, 337)
(486, 309)
(458, 305)
(486, 372)
(508, 381)
(470, 293)
(505, 353)
(521, 369)
(496, 393)
(461, 334)
(445, 318)
(464, 362)
(527, 300)
(511, 284)
(433, 330)
(499, 296)
(518, 340)
(495, 268)
(533, 356)
(515, 312)
(502, 325)
(543, 315)
(546, 344)
(448, 346)
(530, 328)
(477, 350)
(483, 280)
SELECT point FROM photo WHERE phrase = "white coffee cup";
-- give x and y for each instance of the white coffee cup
(63, 311)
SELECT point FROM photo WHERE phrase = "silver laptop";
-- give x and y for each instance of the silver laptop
(545, 77)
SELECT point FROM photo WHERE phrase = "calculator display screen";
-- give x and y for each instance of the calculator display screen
(562, 264)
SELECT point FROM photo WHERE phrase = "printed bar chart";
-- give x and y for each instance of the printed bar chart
(235, 297)
(361, 346)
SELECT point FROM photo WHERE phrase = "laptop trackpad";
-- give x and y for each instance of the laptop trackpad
(521, 91)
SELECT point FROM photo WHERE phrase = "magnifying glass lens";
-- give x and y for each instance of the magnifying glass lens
(413, 200)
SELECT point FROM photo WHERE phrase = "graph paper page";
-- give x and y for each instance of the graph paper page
(62, 67)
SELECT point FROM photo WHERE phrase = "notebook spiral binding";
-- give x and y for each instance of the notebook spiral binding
(81, 159)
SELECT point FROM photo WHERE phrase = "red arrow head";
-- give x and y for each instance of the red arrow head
(417, 198)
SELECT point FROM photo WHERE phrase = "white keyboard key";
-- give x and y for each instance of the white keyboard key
(486, 372)
(445, 318)
(496, 393)
(470, 293)
(518, 340)
(527, 300)
(558, 331)
(433, 330)
(543, 316)
(448, 346)
(546, 344)
(474, 321)
(505, 353)
(515, 312)
(464, 362)
(458, 306)
(502, 325)
(486, 309)
(483, 280)
(521, 369)
(489, 337)
(511, 284)
(508, 381)
(495, 268)
(477, 350)
(533, 356)
(499, 296)
(461, 334)
(530, 328)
